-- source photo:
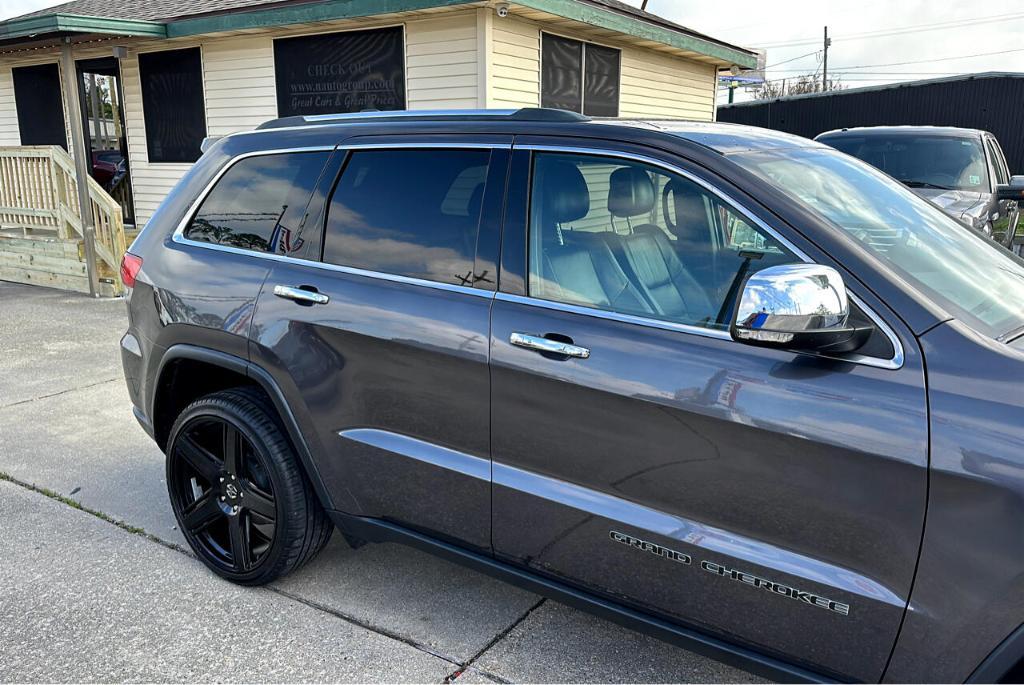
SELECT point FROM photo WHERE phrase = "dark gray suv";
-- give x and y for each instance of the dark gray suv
(664, 371)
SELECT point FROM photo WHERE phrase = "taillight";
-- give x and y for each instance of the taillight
(130, 266)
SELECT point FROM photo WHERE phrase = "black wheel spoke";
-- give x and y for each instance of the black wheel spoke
(200, 459)
(241, 552)
(223, 494)
(202, 512)
(232, 450)
(259, 503)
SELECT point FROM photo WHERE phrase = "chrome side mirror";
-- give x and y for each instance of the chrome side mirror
(797, 306)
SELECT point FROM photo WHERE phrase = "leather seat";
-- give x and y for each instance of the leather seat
(576, 266)
(649, 255)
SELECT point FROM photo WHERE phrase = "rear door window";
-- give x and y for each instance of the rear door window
(411, 213)
(260, 203)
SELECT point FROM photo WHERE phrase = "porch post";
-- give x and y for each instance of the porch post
(69, 77)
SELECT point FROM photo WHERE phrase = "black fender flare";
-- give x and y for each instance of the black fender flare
(264, 380)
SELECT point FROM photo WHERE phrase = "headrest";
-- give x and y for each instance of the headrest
(630, 192)
(564, 192)
(688, 212)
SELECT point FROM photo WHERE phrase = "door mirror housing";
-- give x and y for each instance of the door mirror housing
(1014, 190)
(797, 307)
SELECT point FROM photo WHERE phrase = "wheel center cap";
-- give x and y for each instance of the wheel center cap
(231, 490)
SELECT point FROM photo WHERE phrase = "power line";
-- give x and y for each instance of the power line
(792, 59)
(882, 33)
(857, 67)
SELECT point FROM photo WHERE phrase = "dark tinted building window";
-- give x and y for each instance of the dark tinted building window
(259, 203)
(340, 72)
(40, 108)
(581, 77)
(408, 212)
(172, 104)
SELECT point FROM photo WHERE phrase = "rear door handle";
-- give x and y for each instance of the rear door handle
(535, 342)
(300, 295)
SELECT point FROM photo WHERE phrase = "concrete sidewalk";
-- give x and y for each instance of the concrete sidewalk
(82, 599)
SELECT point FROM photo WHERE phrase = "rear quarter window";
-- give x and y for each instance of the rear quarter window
(259, 203)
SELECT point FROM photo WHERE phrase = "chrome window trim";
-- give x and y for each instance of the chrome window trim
(895, 362)
(178, 236)
(614, 316)
(179, 233)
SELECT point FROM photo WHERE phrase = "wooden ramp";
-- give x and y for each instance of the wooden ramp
(41, 226)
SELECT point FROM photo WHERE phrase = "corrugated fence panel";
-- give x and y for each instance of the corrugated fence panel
(990, 103)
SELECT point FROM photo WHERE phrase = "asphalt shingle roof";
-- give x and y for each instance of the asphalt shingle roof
(168, 10)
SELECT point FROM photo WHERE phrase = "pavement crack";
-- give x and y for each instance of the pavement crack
(363, 624)
(60, 392)
(74, 504)
(135, 530)
(464, 666)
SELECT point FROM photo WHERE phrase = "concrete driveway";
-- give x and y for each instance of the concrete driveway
(96, 584)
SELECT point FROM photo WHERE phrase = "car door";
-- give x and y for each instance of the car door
(770, 498)
(382, 343)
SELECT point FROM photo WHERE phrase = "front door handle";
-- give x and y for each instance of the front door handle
(300, 295)
(535, 342)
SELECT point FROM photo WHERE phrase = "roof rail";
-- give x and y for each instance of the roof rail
(524, 114)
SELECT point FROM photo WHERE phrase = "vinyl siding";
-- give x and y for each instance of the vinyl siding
(441, 63)
(657, 85)
(516, 64)
(454, 59)
(9, 134)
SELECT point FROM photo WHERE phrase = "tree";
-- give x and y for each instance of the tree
(808, 83)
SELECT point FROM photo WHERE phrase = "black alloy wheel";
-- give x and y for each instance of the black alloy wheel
(239, 495)
(224, 493)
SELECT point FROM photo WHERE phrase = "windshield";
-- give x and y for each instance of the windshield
(969, 276)
(921, 161)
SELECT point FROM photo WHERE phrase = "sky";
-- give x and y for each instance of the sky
(873, 41)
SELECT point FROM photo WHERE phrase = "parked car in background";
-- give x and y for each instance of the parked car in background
(640, 367)
(959, 169)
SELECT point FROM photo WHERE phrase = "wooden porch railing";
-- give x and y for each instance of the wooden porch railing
(38, 191)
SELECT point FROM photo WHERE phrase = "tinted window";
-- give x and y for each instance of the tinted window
(968, 275)
(260, 203)
(340, 72)
(921, 161)
(172, 104)
(408, 212)
(40, 109)
(627, 237)
(580, 77)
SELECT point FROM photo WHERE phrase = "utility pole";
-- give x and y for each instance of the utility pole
(824, 63)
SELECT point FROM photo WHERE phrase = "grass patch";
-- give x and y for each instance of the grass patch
(75, 504)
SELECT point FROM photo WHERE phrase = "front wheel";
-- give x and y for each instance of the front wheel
(238, 492)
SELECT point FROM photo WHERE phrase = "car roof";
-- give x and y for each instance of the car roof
(721, 137)
(939, 131)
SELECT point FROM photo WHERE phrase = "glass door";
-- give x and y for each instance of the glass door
(103, 114)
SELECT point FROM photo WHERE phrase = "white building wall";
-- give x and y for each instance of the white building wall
(516, 64)
(9, 134)
(656, 85)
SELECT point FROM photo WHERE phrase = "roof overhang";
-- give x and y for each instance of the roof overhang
(644, 30)
(63, 24)
(54, 25)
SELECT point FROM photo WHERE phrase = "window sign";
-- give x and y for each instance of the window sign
(350, 71)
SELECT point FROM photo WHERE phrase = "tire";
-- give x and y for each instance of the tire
(238, 492)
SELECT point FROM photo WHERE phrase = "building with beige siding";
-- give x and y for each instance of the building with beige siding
(151, 78)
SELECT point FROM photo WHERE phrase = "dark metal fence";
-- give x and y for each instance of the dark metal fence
(992, 102)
